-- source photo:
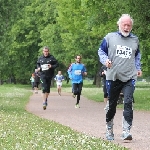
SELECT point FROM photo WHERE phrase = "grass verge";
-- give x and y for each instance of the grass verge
(21, 130)
(141, 94)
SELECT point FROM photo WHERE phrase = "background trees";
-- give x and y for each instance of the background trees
(68, 28)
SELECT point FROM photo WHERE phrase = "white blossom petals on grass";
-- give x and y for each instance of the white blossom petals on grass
(20, 130)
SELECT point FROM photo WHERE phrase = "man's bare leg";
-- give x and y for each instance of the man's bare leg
(45, 97)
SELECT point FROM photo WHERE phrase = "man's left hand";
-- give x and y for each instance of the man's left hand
(49, 66)
(139, 73)
(85, 73)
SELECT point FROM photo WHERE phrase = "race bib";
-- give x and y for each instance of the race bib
(123, 51)
(77, 72)
(44, 67)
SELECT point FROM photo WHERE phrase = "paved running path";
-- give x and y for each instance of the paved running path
(90, 118)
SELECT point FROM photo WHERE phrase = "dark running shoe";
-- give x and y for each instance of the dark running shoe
(126, 135)
(44, 106)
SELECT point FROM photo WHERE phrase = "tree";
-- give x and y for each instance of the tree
(68, 28)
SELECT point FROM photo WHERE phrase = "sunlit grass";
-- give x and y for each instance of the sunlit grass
(20, 130)
(90, 91)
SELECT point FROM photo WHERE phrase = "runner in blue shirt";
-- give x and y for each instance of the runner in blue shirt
(76, 72)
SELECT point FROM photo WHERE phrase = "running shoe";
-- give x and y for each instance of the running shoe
(73, 95)
(109, 130)
(77, 106)
(109, 135)
(126, 135)
(44, 106)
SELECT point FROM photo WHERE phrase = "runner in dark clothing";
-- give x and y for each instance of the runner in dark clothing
(46, 64)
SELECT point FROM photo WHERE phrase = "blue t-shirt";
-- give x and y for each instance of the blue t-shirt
(76, 71)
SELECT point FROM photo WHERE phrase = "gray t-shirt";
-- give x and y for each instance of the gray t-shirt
(121, 51)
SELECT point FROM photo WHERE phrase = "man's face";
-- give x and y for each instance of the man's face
(78, 59)
(125, 26)
(59, 72)
(45, 52)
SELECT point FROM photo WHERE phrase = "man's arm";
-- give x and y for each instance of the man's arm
(84, 70)
(138, 62)
(103, 54)
(63, 78)
(55, 63)
(70, 71)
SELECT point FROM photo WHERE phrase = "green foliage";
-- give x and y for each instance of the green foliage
(68, 28)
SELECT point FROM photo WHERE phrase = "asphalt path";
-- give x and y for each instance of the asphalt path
(90, 118)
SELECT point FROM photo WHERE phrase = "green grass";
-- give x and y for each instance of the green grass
(20, 130)
(141, 97)
(90, 91)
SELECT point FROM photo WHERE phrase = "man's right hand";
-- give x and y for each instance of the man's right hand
(108, 63)
(49, 66)
(38, 69)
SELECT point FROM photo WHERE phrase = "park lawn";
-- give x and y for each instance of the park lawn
(141, 97)
(90, 91)
(21, 130)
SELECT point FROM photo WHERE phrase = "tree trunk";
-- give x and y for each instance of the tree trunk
(97, 78)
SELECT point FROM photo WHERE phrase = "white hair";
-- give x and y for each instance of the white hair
(125, 15)
(46, 47)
